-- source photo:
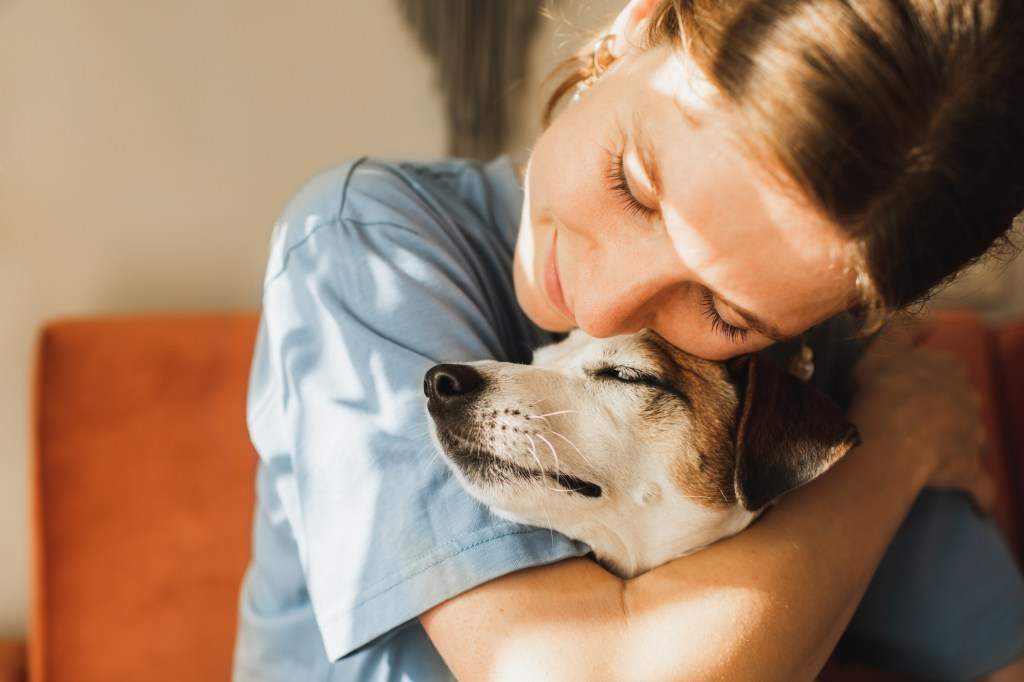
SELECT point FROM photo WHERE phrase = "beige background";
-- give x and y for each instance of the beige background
(147, 147)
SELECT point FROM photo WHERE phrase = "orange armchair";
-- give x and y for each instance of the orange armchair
(144, 480)
(144, 490)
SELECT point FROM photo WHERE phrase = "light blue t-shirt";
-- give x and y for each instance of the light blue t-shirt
(377, 271)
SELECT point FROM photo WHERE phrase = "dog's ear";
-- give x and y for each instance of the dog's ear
(787, 432)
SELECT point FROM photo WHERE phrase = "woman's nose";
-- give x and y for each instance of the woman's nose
(622, 298)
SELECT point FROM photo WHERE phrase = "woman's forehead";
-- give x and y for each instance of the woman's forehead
(753, 244)
(748, 234)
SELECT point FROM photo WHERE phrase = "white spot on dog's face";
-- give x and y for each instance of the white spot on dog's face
(649, 494)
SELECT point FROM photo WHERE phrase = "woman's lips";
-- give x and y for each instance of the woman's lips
(552, 283)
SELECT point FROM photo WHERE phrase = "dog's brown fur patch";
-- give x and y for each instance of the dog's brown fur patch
(706, 471)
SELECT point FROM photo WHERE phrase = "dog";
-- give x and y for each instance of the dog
(642, 451)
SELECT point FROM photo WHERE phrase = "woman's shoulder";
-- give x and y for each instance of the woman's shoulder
(460, 216)
(410, 195)
(434, 236)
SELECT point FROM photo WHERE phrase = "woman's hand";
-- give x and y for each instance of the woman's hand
(919, 403)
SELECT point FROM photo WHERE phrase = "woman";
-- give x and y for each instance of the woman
(731, 175)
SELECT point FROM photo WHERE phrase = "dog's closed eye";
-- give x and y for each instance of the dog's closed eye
(627, 374)
(631, 375)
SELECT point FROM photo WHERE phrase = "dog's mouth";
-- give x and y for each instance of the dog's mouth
(485, 468)
(577, 485)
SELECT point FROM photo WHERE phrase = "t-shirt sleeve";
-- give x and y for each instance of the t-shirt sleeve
(367, 286)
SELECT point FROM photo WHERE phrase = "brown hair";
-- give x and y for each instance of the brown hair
(900, 120)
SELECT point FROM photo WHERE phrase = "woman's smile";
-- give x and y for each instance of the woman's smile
(553, 283)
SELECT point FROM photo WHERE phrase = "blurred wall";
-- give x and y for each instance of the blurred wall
(146, 149)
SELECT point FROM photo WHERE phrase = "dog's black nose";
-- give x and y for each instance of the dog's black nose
(447, 383)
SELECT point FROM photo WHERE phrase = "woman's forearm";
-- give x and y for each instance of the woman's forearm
(769, 603)
(783, 591)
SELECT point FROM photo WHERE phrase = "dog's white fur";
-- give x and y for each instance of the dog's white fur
(615, 442)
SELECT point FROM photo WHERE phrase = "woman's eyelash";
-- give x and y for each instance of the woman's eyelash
(620, 186)
(719, 325)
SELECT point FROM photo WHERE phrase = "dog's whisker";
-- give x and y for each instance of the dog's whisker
(427, 447)
(543, 474)
(550, 414)
(535, 406)
(430, 451)
(578, 451)
(554, 453)
(533, 451)
(543, 508)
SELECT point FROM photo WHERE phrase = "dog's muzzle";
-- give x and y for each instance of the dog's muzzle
(451, 391)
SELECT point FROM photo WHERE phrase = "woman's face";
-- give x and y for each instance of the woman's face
(641, 211)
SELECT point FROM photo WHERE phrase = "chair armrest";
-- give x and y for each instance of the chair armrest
(12, 661)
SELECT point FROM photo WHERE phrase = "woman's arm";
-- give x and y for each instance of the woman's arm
(769, 603)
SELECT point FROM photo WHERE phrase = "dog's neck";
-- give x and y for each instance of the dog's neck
(630, 551)
(649, 530)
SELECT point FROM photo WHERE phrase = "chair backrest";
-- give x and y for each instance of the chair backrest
(143, 497)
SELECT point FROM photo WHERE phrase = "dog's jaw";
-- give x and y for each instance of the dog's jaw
(628, 530)
(645, 540)
(682, 528)
(634, 538)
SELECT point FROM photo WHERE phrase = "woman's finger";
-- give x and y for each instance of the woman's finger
(899, 337)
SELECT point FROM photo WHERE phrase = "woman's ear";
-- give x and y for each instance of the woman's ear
(628, 24)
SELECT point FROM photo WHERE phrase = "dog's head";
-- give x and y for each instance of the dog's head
(640, 450)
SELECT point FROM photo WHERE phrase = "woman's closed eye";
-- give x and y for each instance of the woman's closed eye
(620, 186)
(710, 311)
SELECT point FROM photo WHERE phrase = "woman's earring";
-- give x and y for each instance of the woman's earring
(601, 59)
(801, 365)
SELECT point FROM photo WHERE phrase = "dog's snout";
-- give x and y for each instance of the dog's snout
(447, 383)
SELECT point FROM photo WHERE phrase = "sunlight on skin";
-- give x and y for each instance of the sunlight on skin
(525, 264)
(714, 600)
(712, 222)
(729, 177)
(512, 660)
